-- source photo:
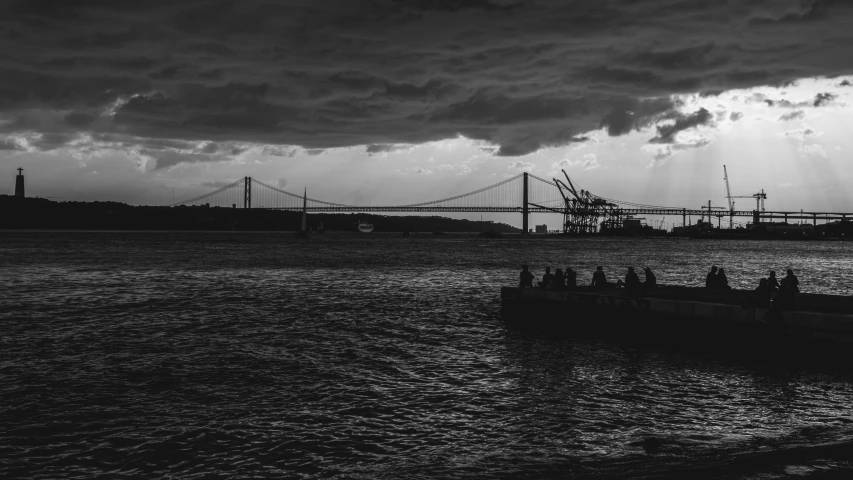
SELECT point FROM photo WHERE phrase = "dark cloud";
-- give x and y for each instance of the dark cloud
(76, 119)
(520, 74)
(820, 100)
(844, 83)
(735, 116)
(635, 114)
(795, 115)
(385, 148)
(9, 144)
(667, 132)
(823, 99)
(51, 141)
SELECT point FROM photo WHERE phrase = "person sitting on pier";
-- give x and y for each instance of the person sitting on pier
(571, 278)
(547, 278)
(785, 299)
(526, 278)
(793, 281)
(722, 279)
(762, 293)
(632, 281)
(772, 283)
(598, 278)
(558, 282)
(651, 280)
(711, 278)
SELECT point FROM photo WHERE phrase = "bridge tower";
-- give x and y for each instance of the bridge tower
(19, 184)
(525, 209)
(247, 192)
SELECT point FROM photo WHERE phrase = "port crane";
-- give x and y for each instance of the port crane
(759, 198)
(582, 208)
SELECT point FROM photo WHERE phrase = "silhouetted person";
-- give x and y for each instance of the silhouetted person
(547, 278)
(558, 283)
(711, 278)
(772, 283)
(762, 293)
(571, 278)
(788, 289)
(785, 298)
(722, 279)
(598, 278)
(526, 278)
(793, 281)
(632, 281)
(651, 280)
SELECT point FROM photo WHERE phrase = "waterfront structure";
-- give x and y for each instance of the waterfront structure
(19, 184)
(674, 313)
(525, 193)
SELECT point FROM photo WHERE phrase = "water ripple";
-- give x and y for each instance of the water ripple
(191, 355)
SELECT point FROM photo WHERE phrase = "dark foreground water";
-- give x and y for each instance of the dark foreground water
(198, 355)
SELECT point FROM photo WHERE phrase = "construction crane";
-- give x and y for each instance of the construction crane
(729, 198)
(759, 197)
(582, 208)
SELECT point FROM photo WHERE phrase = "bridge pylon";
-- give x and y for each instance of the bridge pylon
(247, 192)
(525, 208)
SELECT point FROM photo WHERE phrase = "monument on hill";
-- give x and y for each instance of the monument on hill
(19, 184)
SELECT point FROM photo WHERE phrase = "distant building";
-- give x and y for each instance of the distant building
(19, 184)
(541, 228)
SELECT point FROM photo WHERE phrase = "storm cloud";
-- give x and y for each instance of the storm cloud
(521, 75)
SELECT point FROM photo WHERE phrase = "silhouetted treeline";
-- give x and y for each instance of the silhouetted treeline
(40, 213)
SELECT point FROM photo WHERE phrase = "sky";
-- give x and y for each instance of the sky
(402, 101)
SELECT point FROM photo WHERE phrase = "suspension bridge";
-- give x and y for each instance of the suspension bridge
(525, 193)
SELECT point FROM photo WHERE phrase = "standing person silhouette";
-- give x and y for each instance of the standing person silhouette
(571, 278)
(547, 278)
(598, 278)
(772, 282)
(525, 278)
(558, 282)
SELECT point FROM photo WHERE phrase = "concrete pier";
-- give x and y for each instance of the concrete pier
(823, 319)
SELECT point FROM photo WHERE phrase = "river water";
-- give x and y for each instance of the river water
(266, 355)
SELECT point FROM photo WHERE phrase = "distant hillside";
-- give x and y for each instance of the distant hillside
(40, 213)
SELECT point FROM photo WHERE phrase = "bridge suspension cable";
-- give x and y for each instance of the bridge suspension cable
(467, 195)
(227, 196)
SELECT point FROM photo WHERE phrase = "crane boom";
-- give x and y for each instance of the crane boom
(729, 197)
(728, 190)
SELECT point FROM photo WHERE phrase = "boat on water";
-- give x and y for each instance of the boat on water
(365, 227)
(722, 318)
